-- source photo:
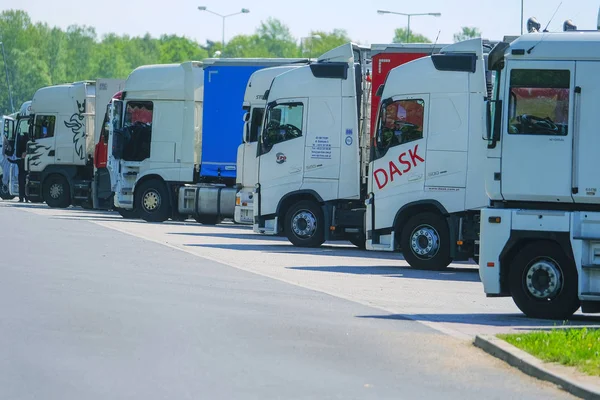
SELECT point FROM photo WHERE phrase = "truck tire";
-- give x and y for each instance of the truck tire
(128, 214)
(304, 224)
(4, 192)
(207, 219)
(543, 282)
(425, 242)
(153, 203)
(56, 191)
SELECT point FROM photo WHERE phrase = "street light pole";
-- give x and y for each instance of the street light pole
(12, 106)
(408, 15)
(243, 11)
(521, 17)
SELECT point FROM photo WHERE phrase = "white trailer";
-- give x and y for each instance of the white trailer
(540, 237)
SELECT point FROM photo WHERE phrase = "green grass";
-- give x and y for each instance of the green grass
(578, 348)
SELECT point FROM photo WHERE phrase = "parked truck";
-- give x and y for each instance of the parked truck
(254, 105)
(174, 137)
(378, 61)
(59, 162)
(423, 186)
(540, 235)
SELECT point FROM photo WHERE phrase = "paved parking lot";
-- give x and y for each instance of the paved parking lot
(452, 301)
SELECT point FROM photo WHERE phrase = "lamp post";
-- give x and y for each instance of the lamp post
(521, 17)
(12, 106)
(243, 11)
(408, 15)
(311, 39)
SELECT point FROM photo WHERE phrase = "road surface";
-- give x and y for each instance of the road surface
(96, 307)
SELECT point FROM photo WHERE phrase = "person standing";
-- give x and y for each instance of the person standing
(21, 147)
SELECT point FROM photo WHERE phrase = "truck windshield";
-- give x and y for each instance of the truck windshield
(539, 102)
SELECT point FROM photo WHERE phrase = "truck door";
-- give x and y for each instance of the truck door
(398, 166)
(586, 163)
(537, 137)
(115, 141)
(281, 151)
(41, 149)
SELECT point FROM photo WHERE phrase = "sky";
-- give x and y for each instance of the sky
(495, 18)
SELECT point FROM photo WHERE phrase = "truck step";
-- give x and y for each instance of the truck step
(591, 266)
(591, 294)
(130, 173)
(588, 238)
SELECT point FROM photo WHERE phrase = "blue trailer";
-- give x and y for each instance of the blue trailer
(225, 83)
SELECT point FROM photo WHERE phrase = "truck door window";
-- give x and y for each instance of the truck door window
(138, 126)
(539, 102)
(400, 122)
(284, 122)
(44, 126)
(256, 123)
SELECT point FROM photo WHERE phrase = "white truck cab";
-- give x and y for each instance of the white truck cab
(426, 182)
(254, 104)
(60, 152)
(540, 236)
(309, 154)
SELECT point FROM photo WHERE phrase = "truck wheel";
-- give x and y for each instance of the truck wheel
(56, 191)
(128, 214)
(359, 240)
(425, 242)
(543, 282)
(207, 219)
(304, 225)
(153, 202)
(4, 192)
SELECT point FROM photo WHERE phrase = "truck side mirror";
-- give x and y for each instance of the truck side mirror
(247, 132)
(493, 122)
(246, 117)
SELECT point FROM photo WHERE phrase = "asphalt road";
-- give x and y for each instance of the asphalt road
(88, 312)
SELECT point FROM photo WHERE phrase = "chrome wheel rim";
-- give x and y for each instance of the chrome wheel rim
(543, 279)
(425, 242)
(151, 200)
(56, 190)
(304, 224)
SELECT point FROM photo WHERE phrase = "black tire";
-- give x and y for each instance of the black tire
(425, 242)
(207, 219)
(4, 192)
(152, 201)
(128, 214)
(304, 224)
(57, 192)
(359, 240)
(536, 288)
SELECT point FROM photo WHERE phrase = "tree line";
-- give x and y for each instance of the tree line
(38, 55)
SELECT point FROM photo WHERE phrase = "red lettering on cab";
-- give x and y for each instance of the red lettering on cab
(383, 177)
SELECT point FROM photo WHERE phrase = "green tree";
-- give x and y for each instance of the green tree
(276, 38)
(401, 33)
(467, 33)
(320, 42)
(175, 49)
(81, 44)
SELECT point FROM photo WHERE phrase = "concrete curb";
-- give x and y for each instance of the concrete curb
(534, 367)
